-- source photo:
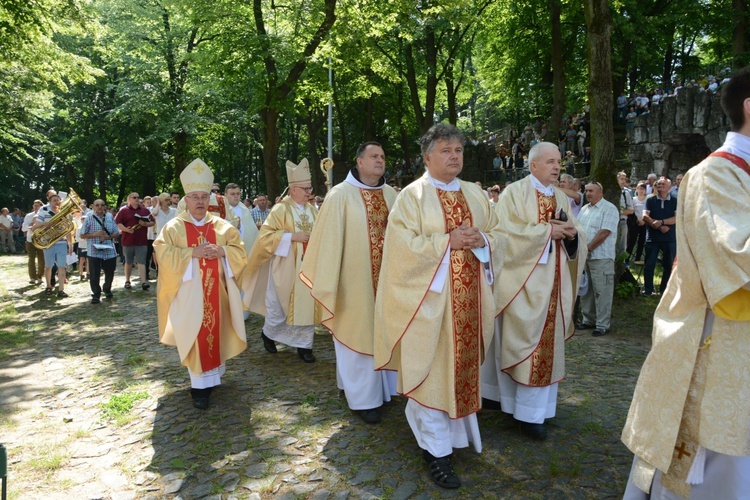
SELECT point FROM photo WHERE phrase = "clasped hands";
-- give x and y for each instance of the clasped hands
(465, 237)
(207, 251)
(563, 230)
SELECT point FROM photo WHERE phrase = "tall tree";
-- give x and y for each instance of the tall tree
(603, 167)
(280, 82)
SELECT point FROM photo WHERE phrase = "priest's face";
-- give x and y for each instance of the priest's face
(371, 165)
(445, 160)
(233, 196)
(546, 165)
(197, 204)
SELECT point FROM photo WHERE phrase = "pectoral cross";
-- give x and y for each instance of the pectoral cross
(681, 451)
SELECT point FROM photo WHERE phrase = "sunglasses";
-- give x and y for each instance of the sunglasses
(215, 190)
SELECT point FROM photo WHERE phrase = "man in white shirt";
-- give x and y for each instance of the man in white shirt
(599, 219)
(6, 232)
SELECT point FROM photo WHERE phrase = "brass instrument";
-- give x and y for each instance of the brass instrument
(60, 223)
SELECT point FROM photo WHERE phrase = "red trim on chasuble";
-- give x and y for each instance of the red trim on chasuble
(377, 218)
(542, 358)
(208, 336)
(465, 274)
(221, 209)
(740, 162)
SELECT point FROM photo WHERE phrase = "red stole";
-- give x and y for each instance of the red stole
(542, 358)
(377, 219)
(465, 273)
(209, 348)
(221, 209)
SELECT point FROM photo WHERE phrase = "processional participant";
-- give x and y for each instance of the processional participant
(540, 282)
(201, 259)
(341, 268)
(689, 421)
(435, 308)
(271, 284)
(245, 222)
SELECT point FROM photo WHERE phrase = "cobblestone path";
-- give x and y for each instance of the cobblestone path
(277, 427)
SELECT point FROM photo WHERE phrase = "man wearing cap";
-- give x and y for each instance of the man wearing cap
(342, 267)
(271, 284)
(201, 259)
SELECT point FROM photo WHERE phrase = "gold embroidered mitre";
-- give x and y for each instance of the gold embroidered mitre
(197, 177)
(298, 174)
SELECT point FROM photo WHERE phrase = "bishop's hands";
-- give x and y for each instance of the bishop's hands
(208, 251)
(563, 228)
(301, 237)
(465, 237)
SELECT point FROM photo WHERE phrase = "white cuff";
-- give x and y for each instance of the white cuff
(284, 245)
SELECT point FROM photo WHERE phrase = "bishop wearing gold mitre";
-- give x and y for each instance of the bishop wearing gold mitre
(434, 310)
(201, 259)
(271, 284)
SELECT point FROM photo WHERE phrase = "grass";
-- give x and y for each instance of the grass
(13, 335)
(118, 407)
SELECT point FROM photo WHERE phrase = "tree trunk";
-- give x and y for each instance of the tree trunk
(739, 34)
(101, 170)
(181, 152)
(270, 118)
(666, 78)
(369, 132)
(599, 27)
(558, 72)
(451, 89)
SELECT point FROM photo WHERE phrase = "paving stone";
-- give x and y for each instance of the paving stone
(363, 476)
(405, 490)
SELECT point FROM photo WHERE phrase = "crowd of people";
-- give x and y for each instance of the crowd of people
(460, 298)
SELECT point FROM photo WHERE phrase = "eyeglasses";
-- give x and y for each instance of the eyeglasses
(215, 190)
(196, 197)
(307, 189)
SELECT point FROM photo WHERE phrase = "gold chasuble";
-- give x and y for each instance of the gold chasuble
(536, 296)
(343, 259)
(436, 340)
(203, 315)
(297, 303)
(694, 387)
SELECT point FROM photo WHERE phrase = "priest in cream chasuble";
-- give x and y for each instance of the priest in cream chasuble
(537, 296)
(689, 421)
(435, 307)
(342, 266)
(271, 283)
(201, 259)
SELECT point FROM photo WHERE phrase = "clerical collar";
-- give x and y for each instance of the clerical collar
(353, 179)
(197, 222)
(737, 144)
(545, 190)
(453, 185)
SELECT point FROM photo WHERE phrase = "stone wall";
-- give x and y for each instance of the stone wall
(677, 134)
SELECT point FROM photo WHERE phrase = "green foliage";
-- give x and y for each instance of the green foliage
(625, 290)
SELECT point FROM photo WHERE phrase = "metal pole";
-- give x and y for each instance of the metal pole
(329, 175)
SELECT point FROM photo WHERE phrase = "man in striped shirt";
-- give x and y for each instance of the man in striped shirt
(100, 231)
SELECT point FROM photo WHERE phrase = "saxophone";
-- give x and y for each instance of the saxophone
(60, 223)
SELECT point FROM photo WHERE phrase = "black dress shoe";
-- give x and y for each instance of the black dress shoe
(534, 431)
(200, 397)
(599, 332)
(306, 355)
(370, 416)
(95, 300)
(584, 326)
(269, 344)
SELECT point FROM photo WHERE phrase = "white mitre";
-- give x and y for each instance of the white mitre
(197, 177)
(298, 174)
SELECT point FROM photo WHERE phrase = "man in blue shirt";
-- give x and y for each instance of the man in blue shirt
(659, 215)
(100, 231)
